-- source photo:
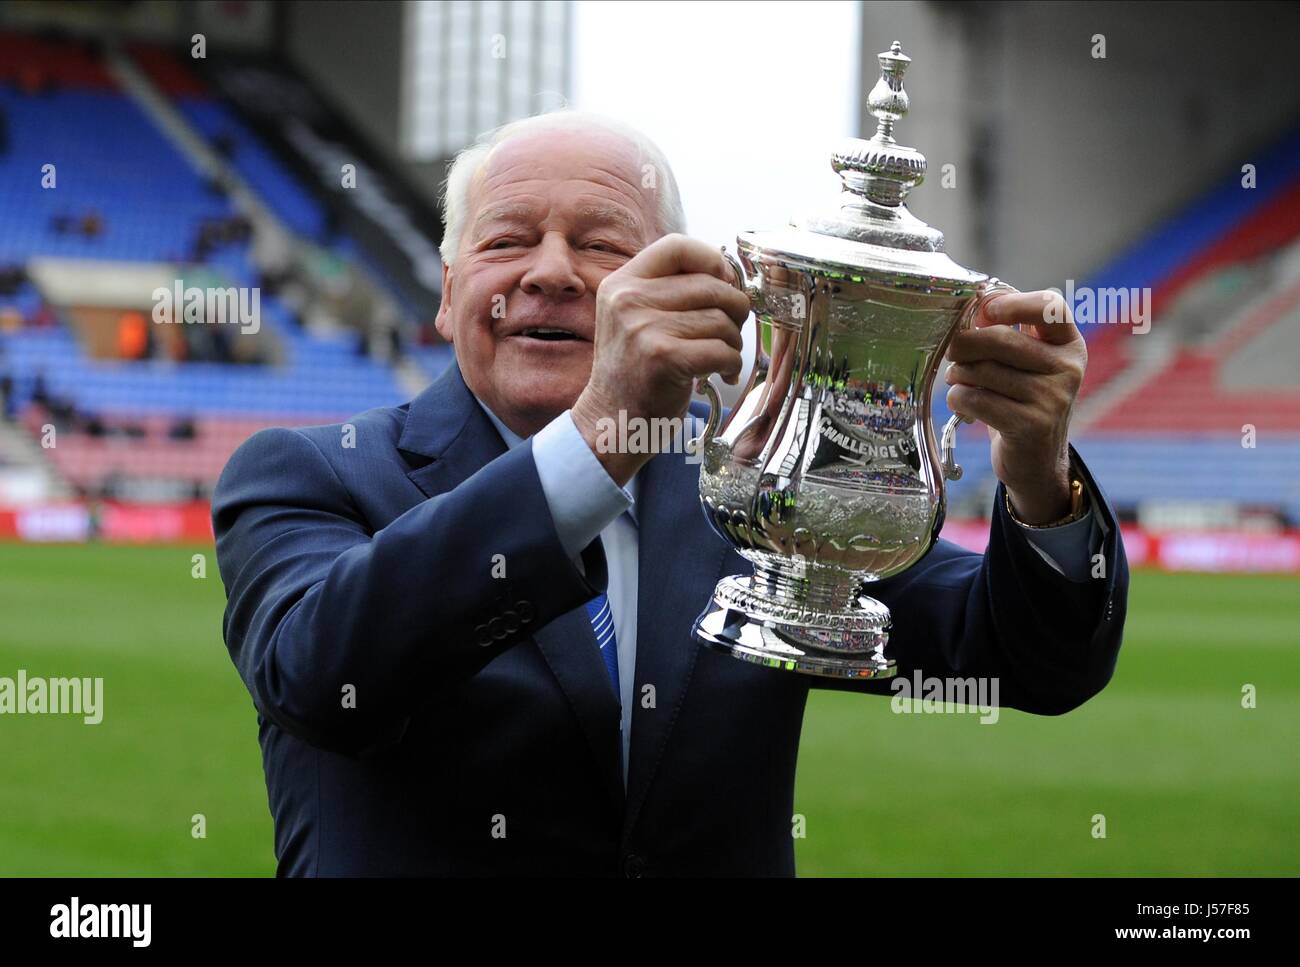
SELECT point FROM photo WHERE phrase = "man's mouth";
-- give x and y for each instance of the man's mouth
(549, 335)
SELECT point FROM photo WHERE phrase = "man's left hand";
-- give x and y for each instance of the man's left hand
(1019, 373)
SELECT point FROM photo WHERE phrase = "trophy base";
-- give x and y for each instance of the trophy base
(846, 644)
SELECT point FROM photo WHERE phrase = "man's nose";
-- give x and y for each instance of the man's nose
(553, 271)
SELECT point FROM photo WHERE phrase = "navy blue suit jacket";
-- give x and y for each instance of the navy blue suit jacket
(367, 572)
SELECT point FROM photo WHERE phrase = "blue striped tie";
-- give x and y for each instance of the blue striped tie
(602, 623)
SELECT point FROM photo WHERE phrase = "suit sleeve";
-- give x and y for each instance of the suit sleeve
(318, 601)
(1051, 642)
(1070, 547)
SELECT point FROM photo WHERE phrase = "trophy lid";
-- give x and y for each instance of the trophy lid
(873, 228)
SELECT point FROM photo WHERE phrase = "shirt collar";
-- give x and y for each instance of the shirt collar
(513, 439)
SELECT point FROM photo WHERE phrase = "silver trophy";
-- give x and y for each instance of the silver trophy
(827, 474)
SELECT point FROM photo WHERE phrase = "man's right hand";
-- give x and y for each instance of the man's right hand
(668, 316)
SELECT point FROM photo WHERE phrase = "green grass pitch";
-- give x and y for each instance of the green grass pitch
(1188, 781)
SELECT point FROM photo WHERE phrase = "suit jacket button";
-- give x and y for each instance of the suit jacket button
(525, 611)
(634, 866)
(484, 635)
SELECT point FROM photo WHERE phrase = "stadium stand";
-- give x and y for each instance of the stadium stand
(123, 192)
(1164, 415)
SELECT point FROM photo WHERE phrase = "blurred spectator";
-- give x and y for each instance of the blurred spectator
(40, 391)
(178, 347)
(203, 244)
(133, 336)
(63, 411)
(217, 186)
(94, 519)
(89, 223)
(111, 485)
(12, 278)
(216, 232)
(182, 429)
(222, 350)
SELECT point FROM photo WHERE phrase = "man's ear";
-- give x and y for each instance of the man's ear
(443, 321)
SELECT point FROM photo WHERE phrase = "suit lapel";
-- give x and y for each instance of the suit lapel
(679, 560)
(448, 438)
(571, 651)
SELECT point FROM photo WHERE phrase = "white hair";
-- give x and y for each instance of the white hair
(468, 162)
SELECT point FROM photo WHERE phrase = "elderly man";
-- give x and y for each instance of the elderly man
(466, 627)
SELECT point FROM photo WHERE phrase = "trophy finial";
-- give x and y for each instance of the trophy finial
(887, 100)
(882, 170)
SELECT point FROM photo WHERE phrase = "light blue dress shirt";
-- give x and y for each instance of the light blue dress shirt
(585, 503)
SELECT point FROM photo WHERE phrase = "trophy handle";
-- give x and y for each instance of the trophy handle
(703, 386)
(948, 442)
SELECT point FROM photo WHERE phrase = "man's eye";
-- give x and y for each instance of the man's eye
(504, 243)
(603, 247)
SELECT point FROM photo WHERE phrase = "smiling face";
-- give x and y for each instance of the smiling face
(550, 214)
